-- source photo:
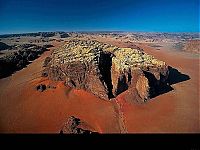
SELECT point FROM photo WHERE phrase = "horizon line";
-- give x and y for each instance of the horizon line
(78, 31)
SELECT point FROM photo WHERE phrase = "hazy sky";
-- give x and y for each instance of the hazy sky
(87, 15)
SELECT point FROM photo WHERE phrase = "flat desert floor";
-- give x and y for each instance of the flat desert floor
(25, 110)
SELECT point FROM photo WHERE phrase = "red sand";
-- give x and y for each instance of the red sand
(175, 111)
(25, 110)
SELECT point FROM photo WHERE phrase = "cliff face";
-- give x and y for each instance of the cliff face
(106, 70)
(77, 63)
(133, 69)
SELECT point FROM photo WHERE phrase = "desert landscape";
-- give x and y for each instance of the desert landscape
(99, 82)
(73, 67)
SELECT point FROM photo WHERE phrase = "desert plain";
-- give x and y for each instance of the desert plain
(25, 109)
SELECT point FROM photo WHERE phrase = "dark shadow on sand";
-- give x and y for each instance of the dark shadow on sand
(174, 77)
(10, 69)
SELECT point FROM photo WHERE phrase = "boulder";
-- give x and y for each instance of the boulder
(41, 87)
(72, 126)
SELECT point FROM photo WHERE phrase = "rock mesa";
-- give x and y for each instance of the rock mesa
(106, 70)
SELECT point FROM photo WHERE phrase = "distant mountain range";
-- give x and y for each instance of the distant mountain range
(42, 34)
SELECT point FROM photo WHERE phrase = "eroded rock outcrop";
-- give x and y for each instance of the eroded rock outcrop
(77, 63)
(20, 56)
(106, 70)
(75, 125)
(135, 69)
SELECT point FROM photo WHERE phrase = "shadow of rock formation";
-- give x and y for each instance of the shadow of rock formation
(174, 77)
(105, 64)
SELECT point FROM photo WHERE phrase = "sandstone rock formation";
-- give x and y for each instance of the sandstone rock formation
(135, 69)
(106, 70)
(19, 58)
(75, 126)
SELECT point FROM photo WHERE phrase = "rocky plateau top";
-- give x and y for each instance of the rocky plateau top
(106, 70)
